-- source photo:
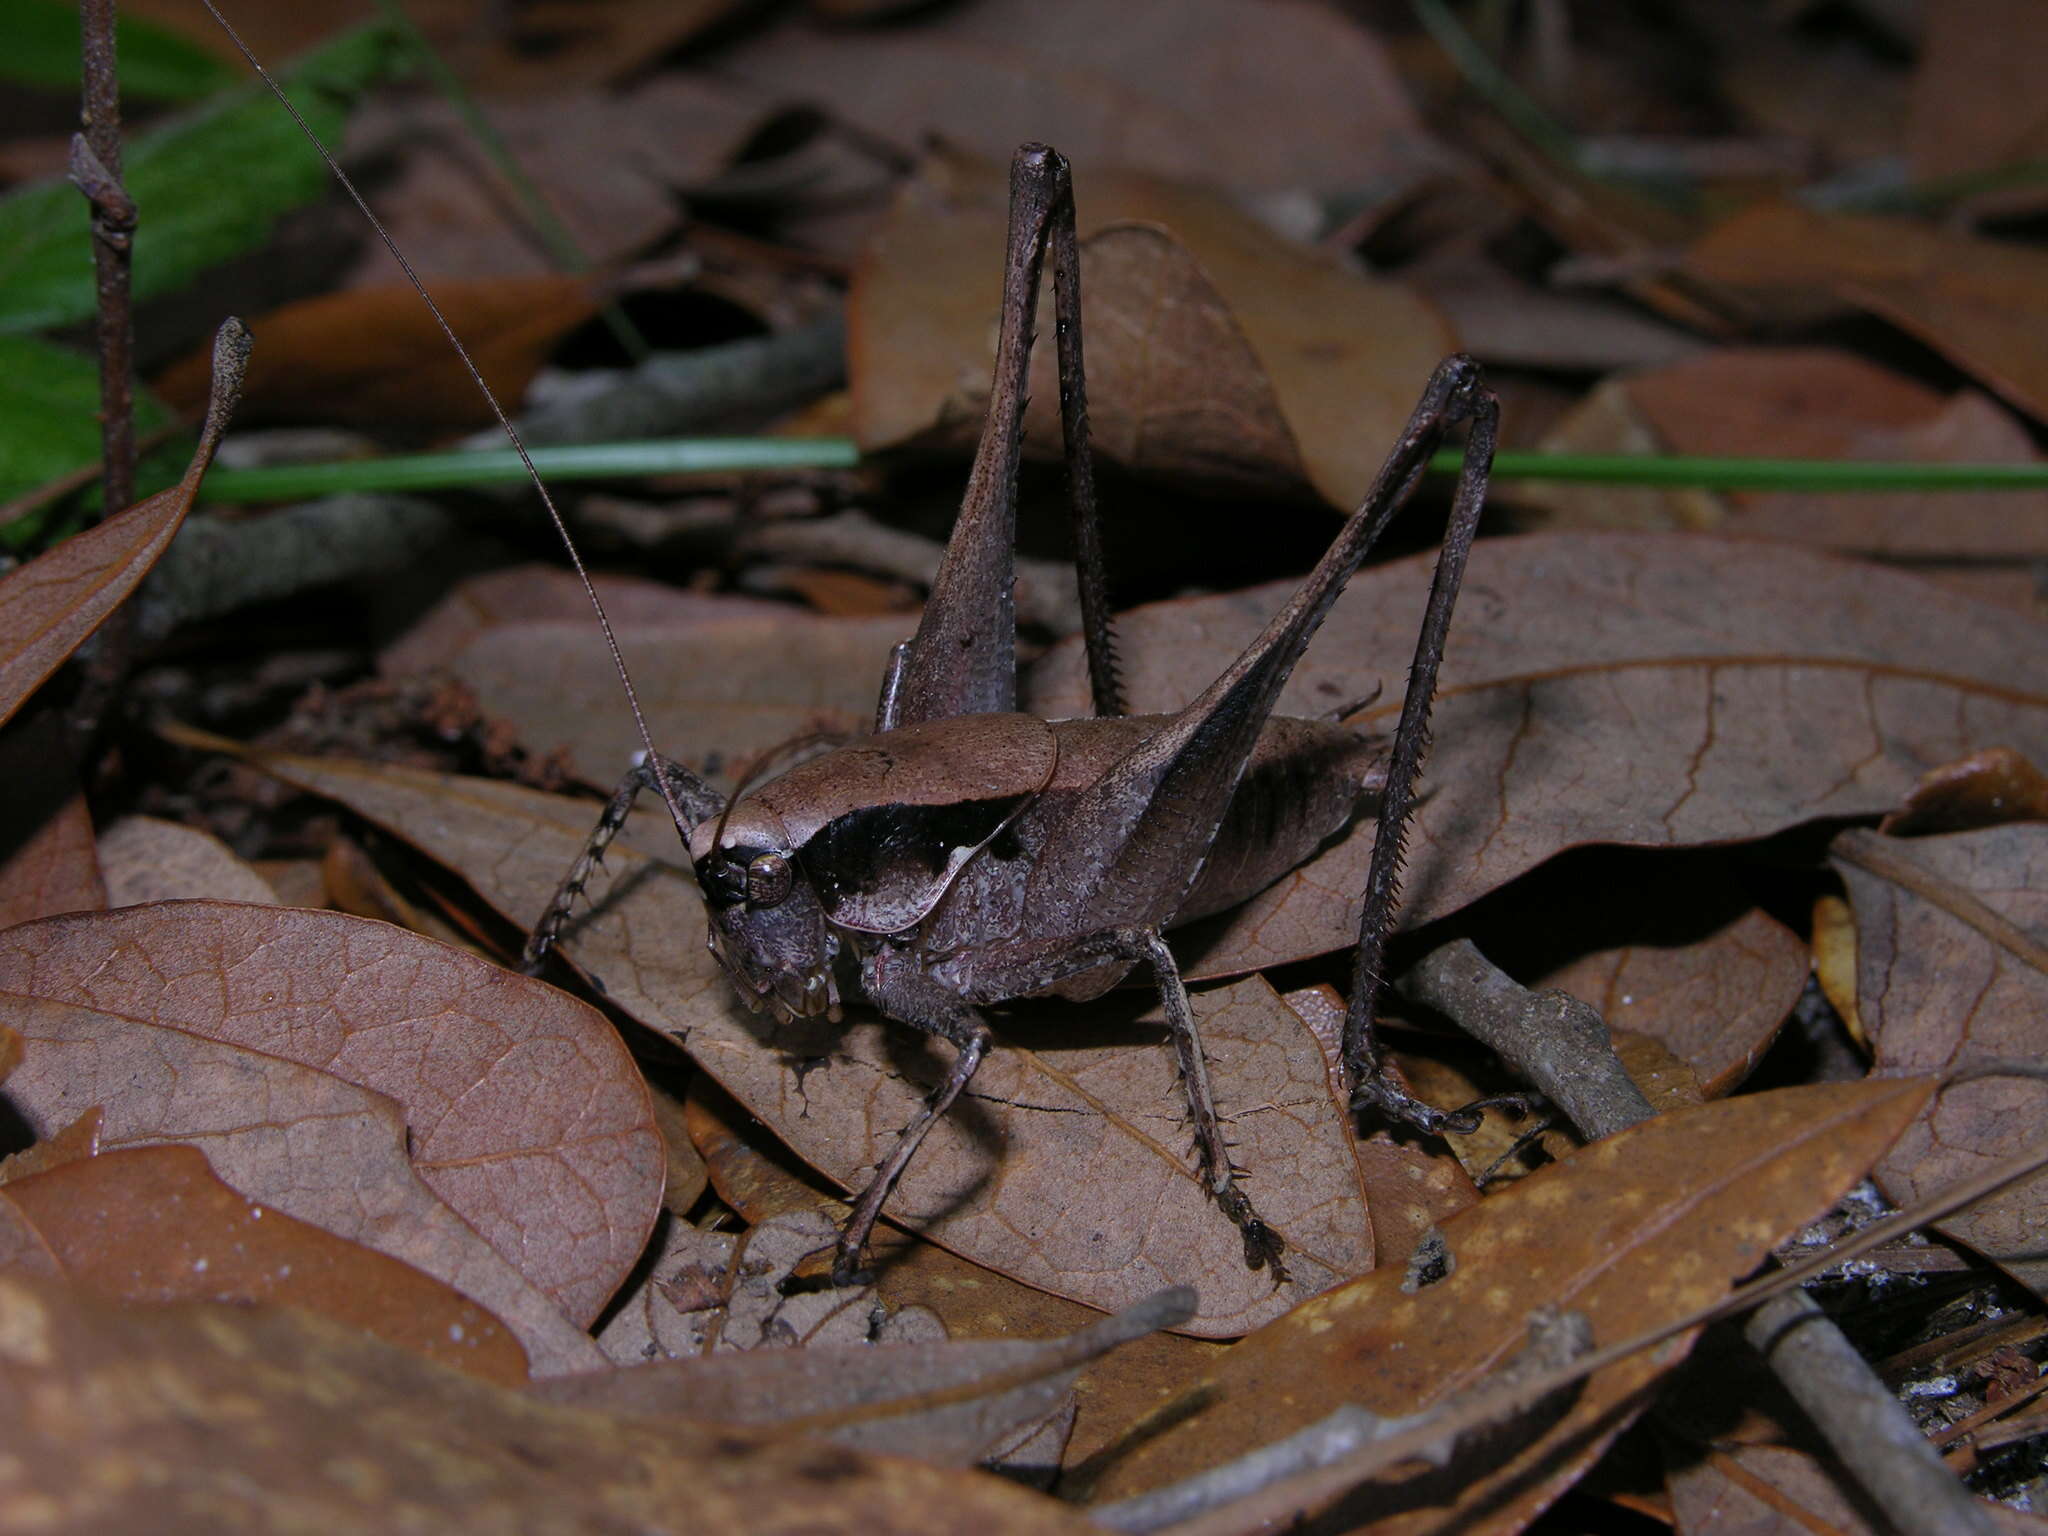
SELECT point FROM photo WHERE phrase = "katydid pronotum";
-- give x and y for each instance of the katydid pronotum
(966, 854)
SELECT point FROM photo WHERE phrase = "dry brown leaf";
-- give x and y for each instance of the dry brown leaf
(1635, 689)
(525, 594)
(1671, 948)
(1834, 963)
(49, 606)
(1507, 322)
(1065, 1089)
(47, 860)
(974, 1303)
(1981, 303)
(21, 1250)
(300, 1141)
(687, 1178)
(1802, 403)
(194, 1417)
(716, 693)
(79, 1139)
(1974, 106)
(375, 356)
(1633, 1232)
(1984, 789)
(1772, 1490)
(947, 1402)
(607, 164)
(1409, 1186)
(1949, 980)
(148, 859)
(1217, 351)
(1165, 86)
(154, 1224)
(524, 1112)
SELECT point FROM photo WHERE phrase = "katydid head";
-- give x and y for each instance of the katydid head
(767, 927)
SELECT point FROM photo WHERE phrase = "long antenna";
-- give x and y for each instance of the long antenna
(611, 640)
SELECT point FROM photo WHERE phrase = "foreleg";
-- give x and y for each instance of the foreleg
(908, 994)
(697, 801)
(1019, 969)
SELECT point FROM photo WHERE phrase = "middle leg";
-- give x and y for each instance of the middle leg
(1022, 968)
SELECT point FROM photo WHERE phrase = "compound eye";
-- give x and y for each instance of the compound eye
(768, 880)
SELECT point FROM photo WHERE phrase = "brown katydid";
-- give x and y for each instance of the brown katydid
(966, 854)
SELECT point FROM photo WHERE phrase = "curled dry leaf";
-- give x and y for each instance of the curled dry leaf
(1632, 1232)
(1066, 1091)
(154, 1224)
(1217, 351)
(1985, 789)
(373, 356)
(1978, 302)
(191, 1417)
(48, 606)
(1657, 690)
(1951, 981)
(47, 859)
(297, 1140)
(945, 1402)
(524, 1112)
(145, 858)
(1802, 403)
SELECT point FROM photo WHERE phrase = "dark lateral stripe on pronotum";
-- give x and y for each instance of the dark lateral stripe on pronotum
(884, 867)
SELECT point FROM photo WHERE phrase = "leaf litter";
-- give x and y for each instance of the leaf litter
(1950, 981)
(154, 1224)
(1661, 692)
(563, 1182)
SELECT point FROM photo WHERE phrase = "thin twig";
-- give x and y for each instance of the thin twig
(96, 172)
(1556, 1042)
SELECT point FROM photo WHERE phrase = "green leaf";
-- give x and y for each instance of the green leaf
(39, 46)
(209, 187)
(49, 424)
